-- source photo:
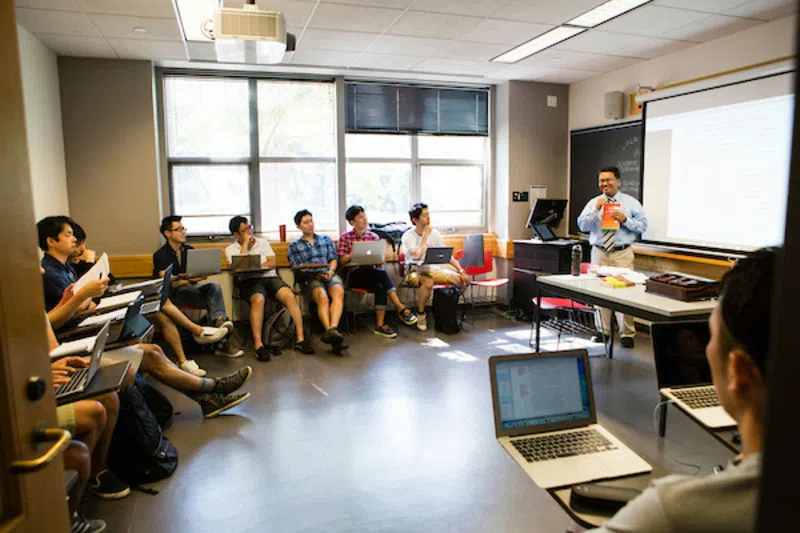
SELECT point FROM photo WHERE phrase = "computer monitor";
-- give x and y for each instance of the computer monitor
(548, 211)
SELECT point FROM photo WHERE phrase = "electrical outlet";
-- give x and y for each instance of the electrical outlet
(515, 196)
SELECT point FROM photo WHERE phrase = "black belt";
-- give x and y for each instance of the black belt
(614, 249)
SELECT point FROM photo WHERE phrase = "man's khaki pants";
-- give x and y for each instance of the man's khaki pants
(602, 316)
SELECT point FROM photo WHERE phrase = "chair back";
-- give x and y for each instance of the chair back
(485, 268)
(473, 255)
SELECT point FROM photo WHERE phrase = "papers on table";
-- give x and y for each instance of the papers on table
(635, 277)
(119, 314)
(141, 284)
(99, 270)
(76, 347)
(119, 299)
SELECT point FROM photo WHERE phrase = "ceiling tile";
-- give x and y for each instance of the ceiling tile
(765, 9)
(397, 4)
(603, 42)
(475, 8)
(410, 46)
(651, 47)
(201, 51)
(469, 51)
(434, 25)
(709, 6)
(545, 11)
(55, 22)
(504, 32)
(58, 5)
(77, 45)
(326, 58)
(711, 27)
(353, 18)
(565, 59)
(337, 40)
(144, 8)
(653, 20)
(386, 61)
(452, 66)
(565, 76)
(154, 50)
(296, 12)
(122, 27)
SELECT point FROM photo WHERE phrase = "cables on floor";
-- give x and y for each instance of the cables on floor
(658, 406)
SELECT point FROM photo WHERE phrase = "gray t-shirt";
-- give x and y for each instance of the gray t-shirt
(724, 502)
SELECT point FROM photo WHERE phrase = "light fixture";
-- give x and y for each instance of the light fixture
(139, 29)
(606, 11)
(193, 15)
(537, 44)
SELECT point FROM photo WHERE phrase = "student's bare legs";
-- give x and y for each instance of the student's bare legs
(156, 363)
(380, 317)
(181, 320)
(78, 459)
(336, 293)
(90, 420)
(257, 302)
(171, 334)
(320, 298)
(287, 298)
(424, 292)
(392, 295)
(110, 402)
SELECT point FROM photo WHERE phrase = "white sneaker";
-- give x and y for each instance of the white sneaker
(227, 324)
(210, 335)
(229, 350)
(191, 367)
(422, 321)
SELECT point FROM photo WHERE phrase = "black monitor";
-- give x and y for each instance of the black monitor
(547, 211)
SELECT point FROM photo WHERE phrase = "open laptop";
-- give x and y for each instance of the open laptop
(683, 373)
(368, 253)
(203, 262)
(155, 305)
(82, 377)
(246, 263)
(544, 417)
(435, 256)
(134, 325)
(544, 232)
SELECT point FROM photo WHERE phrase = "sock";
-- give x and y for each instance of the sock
(207, 384)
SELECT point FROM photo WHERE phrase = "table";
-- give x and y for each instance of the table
(633, 301)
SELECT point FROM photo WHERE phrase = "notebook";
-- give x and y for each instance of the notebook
(155, 305)
(683, 373)
(368, 253)
(203, 262)
(545, 418)
(81, 378)
(117, 300)
(76, 347)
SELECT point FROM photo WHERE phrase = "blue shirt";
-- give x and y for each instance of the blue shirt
(56, 278)
(302, 252)
(629, 231)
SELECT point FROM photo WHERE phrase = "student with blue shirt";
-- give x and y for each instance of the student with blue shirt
(613, 248)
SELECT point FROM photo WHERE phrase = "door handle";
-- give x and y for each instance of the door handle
(59, 437)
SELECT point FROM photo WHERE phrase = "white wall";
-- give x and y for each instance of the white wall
(43, 119)
(762, 43)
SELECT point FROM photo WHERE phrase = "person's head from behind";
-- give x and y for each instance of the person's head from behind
(80, 238)
(172, 229)
(304, 221)
(740, 329)
(240, 228)
(419, 215)
(357, 217)
(609, 181)
(56, 236)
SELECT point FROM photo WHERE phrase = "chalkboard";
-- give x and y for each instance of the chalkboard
(592, 149)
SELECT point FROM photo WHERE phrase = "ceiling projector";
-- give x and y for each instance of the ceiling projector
(249, 35)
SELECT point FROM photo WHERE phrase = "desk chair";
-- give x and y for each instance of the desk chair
(486, 285)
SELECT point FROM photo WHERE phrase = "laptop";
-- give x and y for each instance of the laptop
(544, 232)
(134, 325)
(368, 253)
(203, 262)
(435, 256)
(246, 263)
(544, 417)
(683, 373)
(81, 378)
(155, 305)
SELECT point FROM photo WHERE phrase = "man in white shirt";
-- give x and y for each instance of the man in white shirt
(258, 286)
(416, 242)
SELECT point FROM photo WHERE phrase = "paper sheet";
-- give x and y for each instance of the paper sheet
(76, 347)
(99, 270)
(119, 299)
(119, 314)
(635, 277)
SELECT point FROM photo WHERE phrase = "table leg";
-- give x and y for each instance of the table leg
(662, 418)
(611, 328)
(537, 315)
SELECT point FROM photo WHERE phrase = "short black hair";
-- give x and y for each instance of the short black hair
(745, 304)
(416, 210)
(352, 212)
(49, 228)
(235, 222)
(613, 170)
(78, 231)
(299, 216)
(166, 223)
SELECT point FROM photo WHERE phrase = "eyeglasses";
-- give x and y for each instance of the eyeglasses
(179, 228)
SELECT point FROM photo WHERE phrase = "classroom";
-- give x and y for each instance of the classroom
(399, 265)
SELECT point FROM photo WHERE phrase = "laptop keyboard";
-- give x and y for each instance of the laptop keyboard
(697, 398)
(77, 381)
(546, 447)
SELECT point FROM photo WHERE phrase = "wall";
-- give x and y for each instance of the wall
(43, 126)
(111, 158)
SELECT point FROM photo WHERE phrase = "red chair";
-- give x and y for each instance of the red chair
(489, 284)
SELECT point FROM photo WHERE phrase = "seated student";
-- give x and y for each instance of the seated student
(198, 293)
(325, 288)
(737, 354)
(77, 458)
(371, 278)
(82, 258)
(258, 286)
(416, 242)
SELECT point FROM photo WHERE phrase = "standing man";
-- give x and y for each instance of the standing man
(613, 247)
(372, 278)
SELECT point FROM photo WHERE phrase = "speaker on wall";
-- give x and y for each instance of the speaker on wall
(614, 104)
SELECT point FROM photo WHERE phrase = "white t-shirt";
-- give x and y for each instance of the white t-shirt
(411, 241)
(261, 248)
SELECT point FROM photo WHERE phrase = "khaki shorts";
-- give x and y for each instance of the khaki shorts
(66, 418)
(440, 277)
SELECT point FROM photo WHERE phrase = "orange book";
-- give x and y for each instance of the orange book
(608, 222)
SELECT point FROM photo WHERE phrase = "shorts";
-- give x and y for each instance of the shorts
(313, 284)
(66, 418)
(440, 277)
(267, 287)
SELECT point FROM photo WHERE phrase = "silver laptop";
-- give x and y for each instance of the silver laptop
(683, 373)
(156, 305)
(246, 263)
(203, 262)
(435, 256)
(544, 417)
(83, 377)
(368, 253)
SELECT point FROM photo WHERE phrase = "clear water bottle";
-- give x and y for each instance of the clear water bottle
(577, 258)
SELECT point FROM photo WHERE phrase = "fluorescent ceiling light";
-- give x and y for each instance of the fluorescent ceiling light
(193, 14)
(545, 40)
(604, 12)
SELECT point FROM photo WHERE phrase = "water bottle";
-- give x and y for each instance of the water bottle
(577, 258)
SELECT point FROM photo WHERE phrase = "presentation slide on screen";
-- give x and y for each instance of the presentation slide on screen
(544, 388)
(716, 165)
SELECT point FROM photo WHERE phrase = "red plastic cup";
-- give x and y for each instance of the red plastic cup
(282, 230)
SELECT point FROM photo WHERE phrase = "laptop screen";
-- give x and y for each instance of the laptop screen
(680, 353)
(542, 391)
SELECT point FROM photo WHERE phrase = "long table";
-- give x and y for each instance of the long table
(633, 301)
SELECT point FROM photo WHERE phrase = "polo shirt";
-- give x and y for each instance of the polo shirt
(56, 278)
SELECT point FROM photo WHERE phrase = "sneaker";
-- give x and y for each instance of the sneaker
(627, 342)
(231, 382)
(226, 349)
(305, 347)
(108, 486)
(422, 321)
(223, 322)
(598, 336)
(385, 331)
(215, 403)
(263, 354)
(408, 317)
(210, 335)
(191, 367)
(81, 524)
(332, 336)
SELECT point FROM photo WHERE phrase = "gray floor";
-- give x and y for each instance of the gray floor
(395, 436)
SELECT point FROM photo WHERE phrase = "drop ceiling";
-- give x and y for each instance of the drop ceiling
(412, 39)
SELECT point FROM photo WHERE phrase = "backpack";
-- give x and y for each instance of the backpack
(278, 332)
(139, 452)
(445, 310)
(391, 232)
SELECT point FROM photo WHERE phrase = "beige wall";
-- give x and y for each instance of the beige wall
(43, 124)
(111, 158)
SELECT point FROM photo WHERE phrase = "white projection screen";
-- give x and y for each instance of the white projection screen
(716, 165)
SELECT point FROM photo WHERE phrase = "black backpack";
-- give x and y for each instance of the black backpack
(445, 310)
(391, 232)
(278, 332)
(139, 451)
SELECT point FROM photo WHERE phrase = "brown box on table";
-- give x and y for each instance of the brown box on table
(682, 286)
